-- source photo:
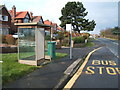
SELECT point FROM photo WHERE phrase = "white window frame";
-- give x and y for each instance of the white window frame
(26, 20)
(0, 30)
(41, 22)
(5, 31)
(4, 18)
(1, 17)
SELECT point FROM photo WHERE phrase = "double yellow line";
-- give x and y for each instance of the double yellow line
(78, 73)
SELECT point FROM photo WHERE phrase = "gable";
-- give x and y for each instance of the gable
(21, 14)
(38, 19)
(47, 22)
(4, 11)
(41, 21)
(27, 16)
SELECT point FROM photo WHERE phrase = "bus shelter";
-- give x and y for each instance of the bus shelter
(31, 43)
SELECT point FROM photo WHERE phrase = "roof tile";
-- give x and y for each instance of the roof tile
(47, 22)
(19, 14)
(36, 18)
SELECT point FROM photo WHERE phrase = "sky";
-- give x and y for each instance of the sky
(104, 12)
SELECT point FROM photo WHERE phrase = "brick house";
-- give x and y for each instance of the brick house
(18, 17)
(48, 29)
(54, 27)
(38, 19)
(5, 20)
(47, 22)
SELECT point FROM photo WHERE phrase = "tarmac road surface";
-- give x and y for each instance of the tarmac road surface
(102, 69)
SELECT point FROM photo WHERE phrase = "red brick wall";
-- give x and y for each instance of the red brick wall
(6, 13)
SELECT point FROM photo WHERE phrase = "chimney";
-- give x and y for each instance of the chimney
(13, 11)
(31, 15)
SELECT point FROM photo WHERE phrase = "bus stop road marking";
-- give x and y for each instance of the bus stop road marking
(78, 73)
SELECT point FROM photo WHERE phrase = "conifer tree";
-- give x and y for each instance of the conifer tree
(74, 13)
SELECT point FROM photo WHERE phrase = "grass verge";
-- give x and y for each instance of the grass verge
(89, 44)
(60, 55)
(12, 70)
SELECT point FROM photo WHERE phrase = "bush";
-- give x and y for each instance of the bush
(86, 35)
(47, 37)
(10, 39)
(60, 36)
(16, 42)
(79, 39)
(65, 42)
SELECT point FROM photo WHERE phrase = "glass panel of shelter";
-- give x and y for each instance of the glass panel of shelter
(27, 44)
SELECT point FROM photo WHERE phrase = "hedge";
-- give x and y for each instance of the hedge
(79, 39)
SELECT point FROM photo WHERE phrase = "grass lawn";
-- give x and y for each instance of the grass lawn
(90, 42)
(12, 70)
(59, 55)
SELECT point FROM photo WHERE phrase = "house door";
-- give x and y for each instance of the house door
(40, 44)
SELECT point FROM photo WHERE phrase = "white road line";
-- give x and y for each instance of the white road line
(115, 43)
(117, 56)
(113, 52)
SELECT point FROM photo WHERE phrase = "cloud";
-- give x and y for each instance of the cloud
(102, 11)
(105, 14)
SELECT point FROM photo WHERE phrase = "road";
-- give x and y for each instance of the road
(112, 45)
(101, 70)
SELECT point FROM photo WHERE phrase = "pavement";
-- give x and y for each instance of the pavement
(50, 75)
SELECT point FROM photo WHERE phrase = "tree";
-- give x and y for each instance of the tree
(116, 30)
(74, 13)
(106, 33)
(111, 33)
(60, 37)
(102, 33)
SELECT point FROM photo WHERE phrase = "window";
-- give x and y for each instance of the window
(0, 30)
(4, 31)
(0, 17)
(55, 27)
(26, 20)
(41, 22)
(4, 18)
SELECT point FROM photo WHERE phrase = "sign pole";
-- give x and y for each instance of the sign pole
(69, 28)
(71, 43)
